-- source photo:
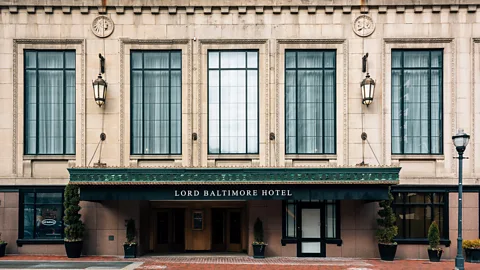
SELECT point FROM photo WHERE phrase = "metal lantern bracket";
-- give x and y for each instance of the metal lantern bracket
(102, 63)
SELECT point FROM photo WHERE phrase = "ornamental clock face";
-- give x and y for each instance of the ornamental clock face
(102, 26)
(363, 26)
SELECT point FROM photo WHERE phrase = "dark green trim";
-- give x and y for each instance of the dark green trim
(322, 121)
(132, 106)
(402, 104)
(353, 175)
(21, 242)
(422, 241)
(434, 188)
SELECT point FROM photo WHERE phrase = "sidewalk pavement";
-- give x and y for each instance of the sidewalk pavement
(248, 263)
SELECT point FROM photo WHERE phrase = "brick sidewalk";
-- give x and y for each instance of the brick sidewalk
(248, 263)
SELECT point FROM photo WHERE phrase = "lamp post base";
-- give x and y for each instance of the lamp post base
(459, 263)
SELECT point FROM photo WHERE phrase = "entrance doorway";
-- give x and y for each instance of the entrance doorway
(311, 231)
(170, 230)
(226, 230)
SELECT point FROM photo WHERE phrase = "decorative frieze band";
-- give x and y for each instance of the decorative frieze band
(259, 9)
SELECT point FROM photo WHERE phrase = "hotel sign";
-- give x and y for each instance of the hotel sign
(228, 193)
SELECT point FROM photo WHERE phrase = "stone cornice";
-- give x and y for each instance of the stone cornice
(226, 6)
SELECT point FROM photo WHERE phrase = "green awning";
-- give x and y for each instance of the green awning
(228, 176)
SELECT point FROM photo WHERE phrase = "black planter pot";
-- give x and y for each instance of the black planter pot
(472, 255)
(130, 251)
(3, 249)
(74, 249)
(435, 255)
(387, 252)
(259, 251)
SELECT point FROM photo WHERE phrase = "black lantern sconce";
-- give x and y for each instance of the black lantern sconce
(100, 85)
(368, 84)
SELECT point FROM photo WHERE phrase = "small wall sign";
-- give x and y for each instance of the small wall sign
(197, 220)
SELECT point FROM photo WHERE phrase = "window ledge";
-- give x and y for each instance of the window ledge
(49, 157)
(155, 157)
(421, 241)
(418, 157)
(311, 156)
(21, 242)
(286, 241)
(233, 156)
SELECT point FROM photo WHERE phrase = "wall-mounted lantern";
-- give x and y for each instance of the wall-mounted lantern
(368, 90)
(100, 85)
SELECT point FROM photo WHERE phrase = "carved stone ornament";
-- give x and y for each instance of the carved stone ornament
(363, 26)
(102, 26)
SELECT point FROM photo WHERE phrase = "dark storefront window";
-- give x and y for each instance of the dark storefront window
(417, 85)
(310, 102)
(415, 212)
(42, 215)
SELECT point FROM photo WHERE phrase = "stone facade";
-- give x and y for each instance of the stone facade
(271, 27)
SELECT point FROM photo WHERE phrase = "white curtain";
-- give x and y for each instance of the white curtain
(233, 102)
(416, 102)
(50, 102)
(156, 102)
(310, 102)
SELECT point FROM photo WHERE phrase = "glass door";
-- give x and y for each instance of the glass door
(311, 231)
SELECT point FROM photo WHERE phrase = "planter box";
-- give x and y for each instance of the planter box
(259, 251)
(130, 251)
(435, 255)
(3, 249)
(387, 252)
(472, 255)
(74, 249)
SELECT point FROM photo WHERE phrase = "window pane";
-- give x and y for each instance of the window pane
(48, 223)
(69, 59)
(156, 93)
(290, 220)
(233, 103)
(310, 103)
(49, 198)
(416, 99)
(331, 221)
(30, 59)
(28, 222)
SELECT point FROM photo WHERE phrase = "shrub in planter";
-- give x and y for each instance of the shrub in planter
(472, 250)
(387, 230)
(258, 243)
(130, 246)
(74, 227)
(434, 249)
(3, 246)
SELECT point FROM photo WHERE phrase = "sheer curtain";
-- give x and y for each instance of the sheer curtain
(50, 102)
(310, 102)
(416, 102)
(156, 102)
(233, 102)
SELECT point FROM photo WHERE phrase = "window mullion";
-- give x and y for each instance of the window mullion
(169, 104)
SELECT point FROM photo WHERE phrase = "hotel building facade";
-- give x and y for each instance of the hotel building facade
(221, 112)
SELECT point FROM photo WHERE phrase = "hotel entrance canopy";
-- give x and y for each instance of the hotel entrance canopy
(337, 183)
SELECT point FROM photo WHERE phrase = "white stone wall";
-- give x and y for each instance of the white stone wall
(267, 25)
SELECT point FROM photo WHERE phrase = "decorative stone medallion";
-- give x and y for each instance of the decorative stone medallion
(102, 26)
(363, 26)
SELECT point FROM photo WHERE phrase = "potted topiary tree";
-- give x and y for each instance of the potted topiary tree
(3, 246)
(258, 243)
(434, 251)
(130, 246)
(472, 250)
(387, 230)
(74, 227)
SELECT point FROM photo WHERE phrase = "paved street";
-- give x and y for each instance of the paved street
(217, 263)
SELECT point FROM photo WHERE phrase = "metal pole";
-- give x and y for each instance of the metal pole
(459, 261)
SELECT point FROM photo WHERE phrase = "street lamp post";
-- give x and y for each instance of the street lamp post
(460, 140)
